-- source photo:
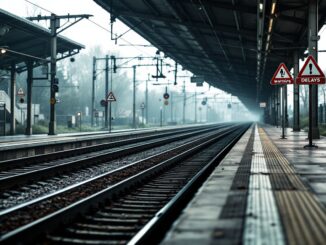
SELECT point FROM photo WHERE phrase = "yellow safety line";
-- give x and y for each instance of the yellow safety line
(303, 216)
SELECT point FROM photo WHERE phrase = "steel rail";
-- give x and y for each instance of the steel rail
(28, 232)
(26, 161)
(154, 230)
(48, 171)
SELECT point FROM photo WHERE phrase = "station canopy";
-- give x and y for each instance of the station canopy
(25, 40)
(235, 44)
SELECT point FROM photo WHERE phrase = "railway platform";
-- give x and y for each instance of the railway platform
(267, 190)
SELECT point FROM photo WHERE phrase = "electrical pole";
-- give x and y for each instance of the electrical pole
(184, 103)
(55, 23)
(195, 106)
(134, 98)
(146, 99)
(93, 91)
(54, 26)
(171, 97)
(106, 91)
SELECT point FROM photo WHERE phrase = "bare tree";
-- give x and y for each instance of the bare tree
(304, 96)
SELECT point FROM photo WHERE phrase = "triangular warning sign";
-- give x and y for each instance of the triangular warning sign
(110, 97)
(20, 92)
(282, 76)
(310, 73)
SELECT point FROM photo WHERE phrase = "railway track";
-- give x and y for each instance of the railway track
(24, 152)
(20, 171)
(12, 197)
(135, 180)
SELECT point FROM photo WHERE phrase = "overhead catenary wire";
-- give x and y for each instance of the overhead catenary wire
(95, 23)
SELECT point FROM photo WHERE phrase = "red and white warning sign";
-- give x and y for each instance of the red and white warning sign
(310, 73)
(111, 97)
(282, 76)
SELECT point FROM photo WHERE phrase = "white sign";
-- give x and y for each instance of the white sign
(282, 76)
(310, 73)
(20, 92)
(262, 104)
(111, 97)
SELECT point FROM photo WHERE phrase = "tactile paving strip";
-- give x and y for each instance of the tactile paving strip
(303, 217)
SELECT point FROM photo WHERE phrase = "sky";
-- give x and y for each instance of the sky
(90, 34)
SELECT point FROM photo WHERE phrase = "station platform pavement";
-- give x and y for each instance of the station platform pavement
(21, 141)
(266, 191)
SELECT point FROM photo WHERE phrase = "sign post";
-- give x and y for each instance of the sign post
(142, 107)
(110, 98)
(282, 77)
(310, 74)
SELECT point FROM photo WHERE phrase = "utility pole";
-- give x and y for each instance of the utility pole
(195, 106)
(106, 91)
(134, 98)
(171, 97)
(93, 91)
(54, 26)
(184, 103)
(146, 98)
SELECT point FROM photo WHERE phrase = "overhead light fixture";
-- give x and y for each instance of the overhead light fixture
(3, 51)
(273, 8)
(270, 25)
(261, 6)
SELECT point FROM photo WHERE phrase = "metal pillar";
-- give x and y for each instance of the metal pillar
(171, 102)
(12, 99)
(146, 100)
(93, 91)
(134, 98)
(313, 89)
(195, 107)
(53, 26)
(283, 110)
(184, 103)
(111, 89)
(276, 106)
(296, 98)
(106, 114)
(28, 130)
(285, 100)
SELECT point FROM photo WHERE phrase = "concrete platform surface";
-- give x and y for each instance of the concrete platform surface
(266, 191)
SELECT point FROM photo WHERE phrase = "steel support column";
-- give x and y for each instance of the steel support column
(313, 47)
(106, 113)
(93, 92)
(28, 130)
(296, 91)
(285, 100)
(146, 100)
(134, 98)
(54, 22)
(12, 99)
